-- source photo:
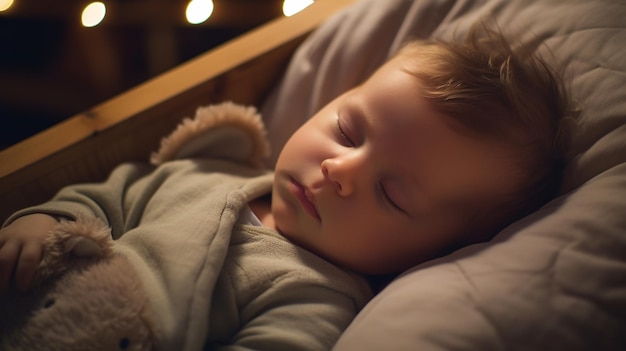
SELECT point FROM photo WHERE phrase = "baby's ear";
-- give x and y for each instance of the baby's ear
(71, 242)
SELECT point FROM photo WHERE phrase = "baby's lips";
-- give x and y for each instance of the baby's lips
(309, 195)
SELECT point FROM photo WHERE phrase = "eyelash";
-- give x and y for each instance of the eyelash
(388, 199)
(343, 134)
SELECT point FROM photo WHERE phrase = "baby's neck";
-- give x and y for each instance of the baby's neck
(262, 208)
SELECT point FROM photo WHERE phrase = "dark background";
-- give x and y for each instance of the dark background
(52, 68)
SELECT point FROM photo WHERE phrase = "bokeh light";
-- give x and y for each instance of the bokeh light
(93, 14)
(198, 11)
(291, 7)
(5, 4)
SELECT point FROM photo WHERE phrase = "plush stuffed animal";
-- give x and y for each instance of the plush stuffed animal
(85, 297)
(86, 294)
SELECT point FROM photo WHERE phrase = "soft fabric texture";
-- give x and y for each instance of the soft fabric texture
(555, 280)
(273, 295)
(80, 276)
(201, 274)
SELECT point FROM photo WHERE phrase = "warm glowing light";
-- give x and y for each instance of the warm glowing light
(291, 7)
(5, 4)
(199, 11)
(93, 14)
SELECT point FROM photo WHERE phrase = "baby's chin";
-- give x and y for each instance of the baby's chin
(293, 235)
(344, 256)
(303, 238)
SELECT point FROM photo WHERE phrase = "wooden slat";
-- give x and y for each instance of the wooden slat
(127, 127)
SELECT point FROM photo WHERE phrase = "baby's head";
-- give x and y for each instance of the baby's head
(442, 146)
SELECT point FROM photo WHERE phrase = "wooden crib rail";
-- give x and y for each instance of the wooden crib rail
(86, 147)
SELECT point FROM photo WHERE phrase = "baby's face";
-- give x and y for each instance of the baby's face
(378, 180)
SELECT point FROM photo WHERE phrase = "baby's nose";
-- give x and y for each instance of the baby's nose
(342, 173)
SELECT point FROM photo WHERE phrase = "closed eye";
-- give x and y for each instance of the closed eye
(343, 134)
(388, 200)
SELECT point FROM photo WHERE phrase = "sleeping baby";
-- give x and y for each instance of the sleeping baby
(441, 147)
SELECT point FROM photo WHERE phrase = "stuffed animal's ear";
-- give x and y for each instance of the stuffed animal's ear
(227, 131)
(72, 241)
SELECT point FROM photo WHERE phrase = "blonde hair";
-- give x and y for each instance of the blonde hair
(505, 93)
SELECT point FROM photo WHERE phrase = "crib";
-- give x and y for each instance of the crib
(85, 147)
(554, 280)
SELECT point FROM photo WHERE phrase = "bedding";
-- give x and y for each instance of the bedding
(554, 280)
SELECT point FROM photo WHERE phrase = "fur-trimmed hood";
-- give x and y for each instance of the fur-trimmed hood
(210, 134)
